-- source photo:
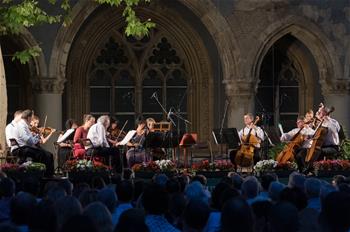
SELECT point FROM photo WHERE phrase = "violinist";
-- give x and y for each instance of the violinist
(65, 142)
(10, 131)
(34, 126)
(137, 153)
(27, 144)
(81, 133)
(114, 133)
(253, 130)
(307, 132)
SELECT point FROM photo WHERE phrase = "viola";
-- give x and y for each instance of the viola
(245, 154)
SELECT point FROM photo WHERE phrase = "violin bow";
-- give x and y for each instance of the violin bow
(121, 130)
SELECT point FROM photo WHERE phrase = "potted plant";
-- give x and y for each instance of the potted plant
(149, 169)
(84, 170)
(19, 171)
(217, 169)
(329, 168)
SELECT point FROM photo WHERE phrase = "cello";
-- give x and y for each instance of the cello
(317, 139)
(289, 150)
(245, 154)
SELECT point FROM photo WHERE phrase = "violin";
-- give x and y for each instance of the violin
(318, 137)
(245, 154)
(288, 152)
(42, 131)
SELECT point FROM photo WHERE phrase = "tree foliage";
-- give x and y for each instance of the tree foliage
(16, 14)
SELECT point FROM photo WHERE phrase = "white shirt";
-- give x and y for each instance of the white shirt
(10, 132)
(332, 137)
(258, 132)
(24, 137)
(97, 135)
(306, 131)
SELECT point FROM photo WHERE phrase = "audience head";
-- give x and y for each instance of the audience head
(108, 197)
(216, 195)
(201, 179)
(132, 220)
(335, 212)
(173, 186)
(250, 187)
(275, 190)
(237, 216)
(88, 196)
(326, 189)
(237, 180)
(295, 196)
(98, 182)
(7, 187)
(183, 180)
(31, 185)
(177, 204)
(67, 186)
(155, 199)
(195, 190)
(312, 187)
(261, 210)
(79, 223)
(22, 206)
(338, 179)
(56, 193)
(296, 180)
(160, 179)
(125, 191)
(100, 215)
(283, 217)
(44, 217)
(196, 215)
(67, 207)
(266, 180)
(79, 188)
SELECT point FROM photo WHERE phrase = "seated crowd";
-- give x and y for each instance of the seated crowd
(180, 203)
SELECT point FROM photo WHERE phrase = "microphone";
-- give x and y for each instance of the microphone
(169, 113)
(154, 95)
(127, 95)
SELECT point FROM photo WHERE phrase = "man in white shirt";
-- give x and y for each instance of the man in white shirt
(307, 133)
(98, 137)
(254, 131)
(28, 144)
(330, 146)
(10, 131)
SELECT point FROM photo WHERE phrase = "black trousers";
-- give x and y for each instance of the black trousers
(37, 155)
(113, 152)
(256, 157)
(326, 151)
(63, 155)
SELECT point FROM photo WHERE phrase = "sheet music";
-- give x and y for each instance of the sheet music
(281, 129)
(65, 136)
(128, 137)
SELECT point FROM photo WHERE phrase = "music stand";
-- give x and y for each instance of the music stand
(228, 136)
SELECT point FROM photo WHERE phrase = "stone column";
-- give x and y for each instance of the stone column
(48, 102)
(337, 94)
(241, 101)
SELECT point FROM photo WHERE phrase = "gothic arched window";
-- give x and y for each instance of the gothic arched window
(126, 74)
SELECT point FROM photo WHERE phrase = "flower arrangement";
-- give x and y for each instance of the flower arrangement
(155, 166)
(218, 165)
(265, 166)
(332, 165)
(28, 166)
(287, 166)
(85, 165)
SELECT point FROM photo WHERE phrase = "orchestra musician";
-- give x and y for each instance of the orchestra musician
(309, 116)
(34, 127)
(98, 137)
(65, 146)
(10, 130)
(113, 132)
(137, 153)
(330, 146)
(80, 134)
(27, 144)
(157, 153)
(244, 132)
(307, 132)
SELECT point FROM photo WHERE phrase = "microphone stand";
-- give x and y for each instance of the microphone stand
(222, 123)
(164, 110)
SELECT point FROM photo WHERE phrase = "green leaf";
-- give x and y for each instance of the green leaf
(25, 55)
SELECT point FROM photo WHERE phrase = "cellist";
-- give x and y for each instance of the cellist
(255, 131)
(330, 146)
(307, 132)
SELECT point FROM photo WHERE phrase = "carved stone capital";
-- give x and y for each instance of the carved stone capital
(337, 87)
(48, 85)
